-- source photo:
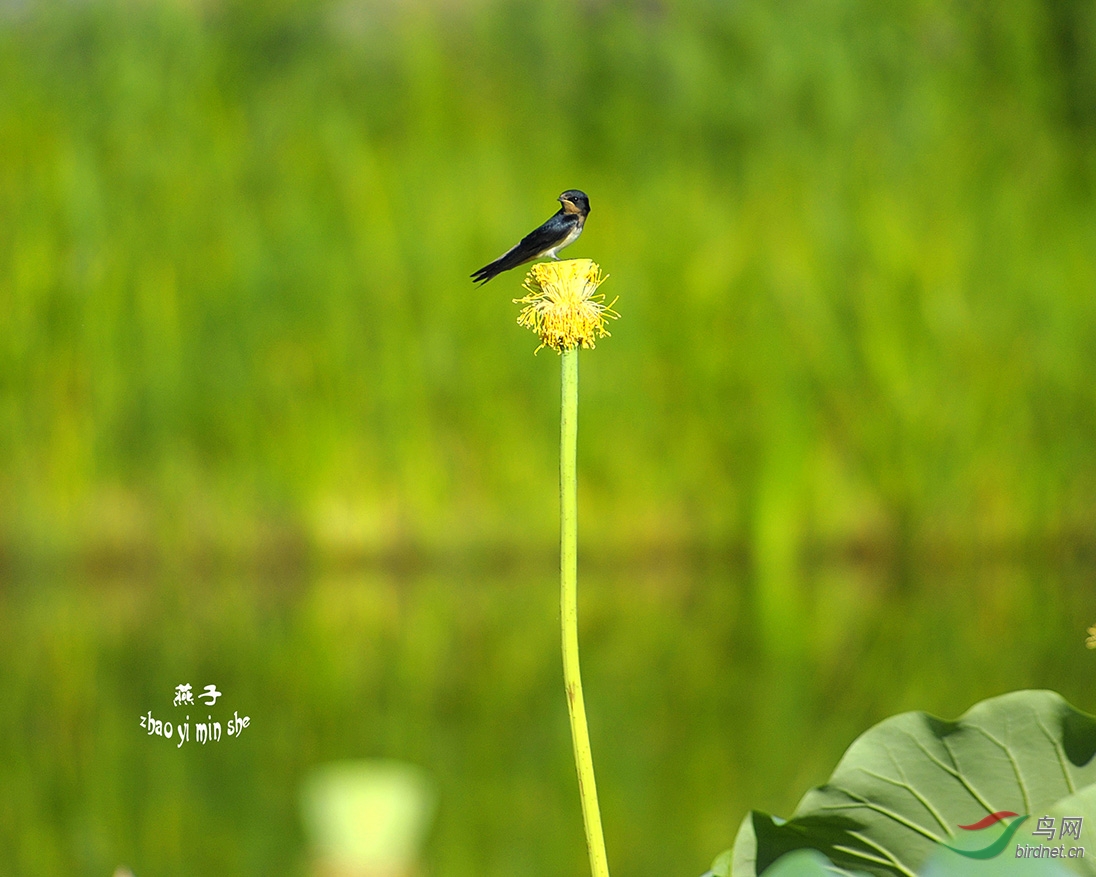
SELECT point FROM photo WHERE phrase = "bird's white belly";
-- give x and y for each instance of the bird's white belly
(572, 236)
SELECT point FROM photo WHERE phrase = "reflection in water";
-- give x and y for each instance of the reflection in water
(697, 711)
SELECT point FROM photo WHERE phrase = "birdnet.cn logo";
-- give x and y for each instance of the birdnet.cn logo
(1069, 827)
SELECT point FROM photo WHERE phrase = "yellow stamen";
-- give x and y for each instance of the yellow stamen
(563, 305)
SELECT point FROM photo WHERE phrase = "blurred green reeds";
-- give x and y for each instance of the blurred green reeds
(855, 248)
(854, 242)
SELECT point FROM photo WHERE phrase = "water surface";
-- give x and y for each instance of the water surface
(701, 704)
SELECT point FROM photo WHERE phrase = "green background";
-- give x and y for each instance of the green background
(258, 428)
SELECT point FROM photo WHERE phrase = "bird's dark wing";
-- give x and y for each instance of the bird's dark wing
(527, 249)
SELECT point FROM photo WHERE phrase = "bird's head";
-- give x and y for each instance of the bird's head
(574, 201)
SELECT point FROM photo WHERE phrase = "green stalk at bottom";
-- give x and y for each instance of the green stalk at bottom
(568, 574)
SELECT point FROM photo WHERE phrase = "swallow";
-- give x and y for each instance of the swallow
(544, 242)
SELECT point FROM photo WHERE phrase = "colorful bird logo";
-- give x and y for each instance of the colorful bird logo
(988, 852)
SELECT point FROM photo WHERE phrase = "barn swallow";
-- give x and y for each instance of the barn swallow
(544, 242)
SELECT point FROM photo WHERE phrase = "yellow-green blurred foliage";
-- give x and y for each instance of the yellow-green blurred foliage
(854, 244)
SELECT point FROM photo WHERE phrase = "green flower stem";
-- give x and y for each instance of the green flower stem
(568, 574)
